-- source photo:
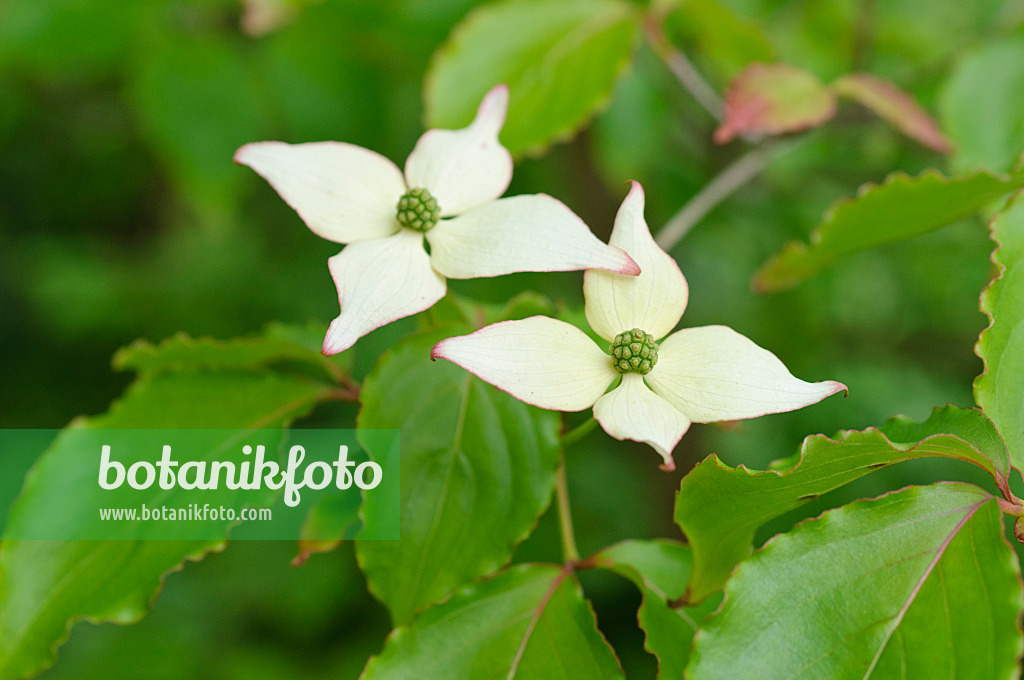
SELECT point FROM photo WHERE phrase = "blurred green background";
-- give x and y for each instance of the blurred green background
(122, 216)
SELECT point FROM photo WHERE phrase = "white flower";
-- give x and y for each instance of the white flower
(352, 195)
(696, 375)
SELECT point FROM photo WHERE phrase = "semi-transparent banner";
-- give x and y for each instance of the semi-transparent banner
(94, 484)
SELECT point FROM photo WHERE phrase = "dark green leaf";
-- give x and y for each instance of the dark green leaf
(901, 208)
(279, 343)
(559, 59)
(528, 622)
(47, 585)
(1000, 389)
(661, 568)
(720, 508)
(477, 469)
(916, 584)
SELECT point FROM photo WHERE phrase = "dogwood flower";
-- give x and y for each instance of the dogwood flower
(448, 195)
(696, 375)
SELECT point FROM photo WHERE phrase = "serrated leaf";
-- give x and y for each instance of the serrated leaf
(772, 99)
(528, 622)
(279, 343)
(660, 569)
(919, 583)
(477, 469)
(720, 508)
(901, 208)
(45, 586)
(559, 59)
(982, 106)
(1000, 389)
(895, 106)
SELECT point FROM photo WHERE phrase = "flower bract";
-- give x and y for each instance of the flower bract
(448, 195)
(695, 375)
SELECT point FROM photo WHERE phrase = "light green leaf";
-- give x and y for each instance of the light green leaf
(982, 106)
(528, 622)
(477, 469)
(559, 59)
(920, 583)
(660, 568)
(720, 508)
(901, 208)
(1000, 389)
(772, 99)
(45, 586)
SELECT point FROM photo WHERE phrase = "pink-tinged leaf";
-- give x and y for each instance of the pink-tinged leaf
(773, 99)
(895, 106)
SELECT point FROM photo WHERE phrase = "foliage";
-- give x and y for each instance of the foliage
(123, 218)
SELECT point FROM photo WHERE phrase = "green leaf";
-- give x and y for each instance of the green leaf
(772, 99)
(335, 518)
(528, 622)
(1000, 389)
(920, 583)
(198, 99)
(982, 106)
(895, 106)
(729, 41)
(559, 59)
(660, 569)
(720, 508)
(477, 469)
(901, 208)
(280, 344)
(45, 586)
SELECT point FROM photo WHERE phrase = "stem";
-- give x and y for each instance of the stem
(683, 69)
(579, 432)
(741, 171)
(569, 551)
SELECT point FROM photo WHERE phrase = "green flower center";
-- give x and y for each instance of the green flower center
(418, 210)
(634, 351)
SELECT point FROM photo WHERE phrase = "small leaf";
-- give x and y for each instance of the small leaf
(901, 208)
(660, 568)
(477, 469)
(47, 585)
(894, 105)
(772, 99)
(559, 59)
(528, 622)
(919, 583)
(333, 519)
(982, 106)
(720, 508)
(1000, 389)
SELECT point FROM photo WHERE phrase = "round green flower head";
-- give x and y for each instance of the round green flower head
(634, 351)
(418, 210)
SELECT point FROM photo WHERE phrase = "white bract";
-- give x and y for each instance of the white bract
(448, 194)
(696, 375)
